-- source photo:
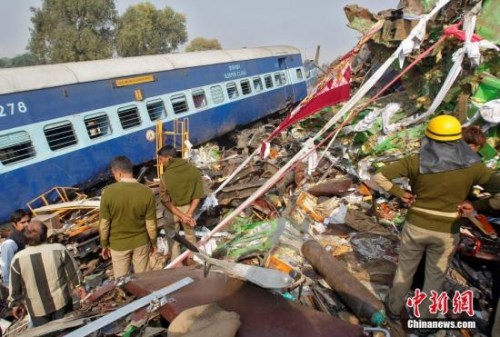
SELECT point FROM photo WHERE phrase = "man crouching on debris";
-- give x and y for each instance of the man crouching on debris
(40, 274)
(441, 176)
(181, 189)
(127, 226)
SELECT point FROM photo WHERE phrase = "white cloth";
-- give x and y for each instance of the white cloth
(490, 111)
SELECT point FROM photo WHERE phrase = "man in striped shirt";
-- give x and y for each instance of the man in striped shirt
(41, 275)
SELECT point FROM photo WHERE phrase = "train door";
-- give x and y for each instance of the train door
(288, 90)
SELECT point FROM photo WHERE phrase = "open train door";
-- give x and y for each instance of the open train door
(288, 93)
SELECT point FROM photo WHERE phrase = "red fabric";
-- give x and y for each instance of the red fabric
(327, 98)
(336, 89)
(460, 34)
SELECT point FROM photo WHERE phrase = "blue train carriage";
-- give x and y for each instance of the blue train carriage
(62, 124)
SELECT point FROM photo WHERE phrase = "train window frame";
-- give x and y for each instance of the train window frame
(232, 90)
(258, 86)
(277, 79)
(280, 79)
(124, 120)
(299, 74)
(246, 88)
(217, 94)
(152, 111)
(56, 132)
(268, 80)
(179, 103)
(283, 78)
(199, 98)
(97, 125)
(19, 141)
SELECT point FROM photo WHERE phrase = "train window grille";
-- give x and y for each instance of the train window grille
(257, 84)
(217, 94)
(155, 109)
(269, 81)
(277, 79)
(245, 87)
(199, 99)
(16, 147)
(299, 74)
(179, 103)
(280, 79)
(232, 90)
(283, 78)
(97, 125)
(129, 117)
(60, 135)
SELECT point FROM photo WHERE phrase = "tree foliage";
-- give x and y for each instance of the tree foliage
(72, 30)
(200, 43)
(5, 62)
(145, 30)
(22, 60)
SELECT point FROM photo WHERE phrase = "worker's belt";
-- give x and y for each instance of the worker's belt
(438, 213)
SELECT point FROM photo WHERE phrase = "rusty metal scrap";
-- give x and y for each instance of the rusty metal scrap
(275, 315)
(335, 187)
(362, 302)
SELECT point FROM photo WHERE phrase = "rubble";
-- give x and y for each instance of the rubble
(308, 210)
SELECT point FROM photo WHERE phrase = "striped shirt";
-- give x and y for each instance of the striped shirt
(41, 276)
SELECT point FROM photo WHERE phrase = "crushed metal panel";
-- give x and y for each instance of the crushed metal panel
(55, 326)
(137, 304)
(397, 30)
(262, 313)
(360, 18)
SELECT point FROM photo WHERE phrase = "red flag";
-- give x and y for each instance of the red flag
(334, 88)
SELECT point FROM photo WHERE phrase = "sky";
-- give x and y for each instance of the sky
(234, 23)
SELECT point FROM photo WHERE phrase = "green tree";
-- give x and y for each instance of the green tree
(200, 43)
(23, 60)
(5, 62)
(72, 30)
(145, 30)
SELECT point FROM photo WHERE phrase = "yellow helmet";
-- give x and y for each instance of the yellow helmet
(444, 128)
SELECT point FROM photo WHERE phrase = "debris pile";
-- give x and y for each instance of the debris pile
(309, 209)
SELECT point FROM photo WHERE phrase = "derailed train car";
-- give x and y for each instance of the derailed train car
(61, 124)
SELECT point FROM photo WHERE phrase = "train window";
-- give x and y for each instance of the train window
(280, 79)
(156, 109)
(299, 74)
(15, 147)
(129, 117)
(269, 81)
(277, 79)
(60, 135)
(283, 78)
(179, 103)
(245, 87)
(257, 84)
(232, 90)
(97, 125)
(217, 94)
(199, 98)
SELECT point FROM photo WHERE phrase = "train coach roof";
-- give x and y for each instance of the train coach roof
(46, 76)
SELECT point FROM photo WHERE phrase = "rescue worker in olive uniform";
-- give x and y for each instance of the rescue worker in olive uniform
(181, 189)
(441, 176)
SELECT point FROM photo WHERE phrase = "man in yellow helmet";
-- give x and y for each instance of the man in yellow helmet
(441, 176)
